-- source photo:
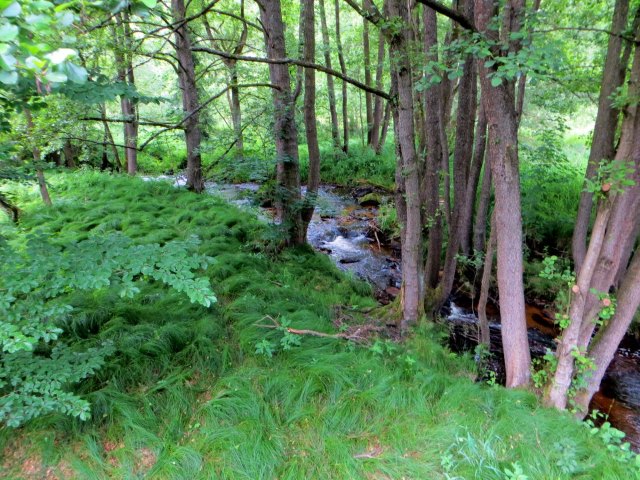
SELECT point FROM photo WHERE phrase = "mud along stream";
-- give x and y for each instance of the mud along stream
(345, 229)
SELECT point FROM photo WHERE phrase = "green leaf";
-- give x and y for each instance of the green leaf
(8, 32)
(60, 55)
(7, 61)
(495, 81)
(76, 73)
(12, 10)
(9, 78)
(56, 77)
(149, 3)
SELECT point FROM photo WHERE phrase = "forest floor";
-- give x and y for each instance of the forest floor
(187, 395)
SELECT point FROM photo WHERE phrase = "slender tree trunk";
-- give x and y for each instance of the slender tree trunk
(433, 127)
(466, 217)
(384, 129)
(343, 69)
(368, 97)
(234, 90)
(124, 67)
(614, 223)
(9, 208)
(285, 131)
(499, 107)
(69, 154)
(480, 223)
(606, 345)
(602, 146)
(404, 127)
(236, 110)
(190, 103)
(462, 159)
(311, 131)
(37, 160)
(378, 101)
(326, 48)
(556, 396)
(109, 136)
(483, 322)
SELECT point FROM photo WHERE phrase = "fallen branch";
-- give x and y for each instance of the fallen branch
(356, 333)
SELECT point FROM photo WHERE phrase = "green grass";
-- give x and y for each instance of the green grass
(186, 397)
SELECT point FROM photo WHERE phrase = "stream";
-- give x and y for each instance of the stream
(346, 231)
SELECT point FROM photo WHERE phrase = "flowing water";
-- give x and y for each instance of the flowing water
(346, 231)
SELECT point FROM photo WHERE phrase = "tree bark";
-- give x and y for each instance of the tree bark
(124, 67)
(9, 208)
(556, 396)
(462, 157)
(311, 130)
(368, 98)
(602, 146)
(376, 124)
(480, 223)
(69, 154)
(234, 91)
(606, 345)
(343, 69)
(499, 107)
(466, 216)
(433, 127)
(109, 136)
(483, 322)
(37, 160)
(326, 48)
(190, 102)
(404, 127)
(385, 128)
(285, 131)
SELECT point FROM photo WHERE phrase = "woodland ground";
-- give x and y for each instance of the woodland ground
(186, 396)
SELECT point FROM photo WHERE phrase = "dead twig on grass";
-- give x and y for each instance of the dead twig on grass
(356, 333)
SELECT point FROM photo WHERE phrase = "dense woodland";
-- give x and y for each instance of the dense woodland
(151, 327)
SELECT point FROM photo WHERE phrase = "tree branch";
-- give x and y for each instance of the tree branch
(301, 63)
(453, 14)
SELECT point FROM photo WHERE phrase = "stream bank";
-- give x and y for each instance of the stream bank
(345, 229)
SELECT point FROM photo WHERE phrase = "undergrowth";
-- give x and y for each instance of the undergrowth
(185, 396)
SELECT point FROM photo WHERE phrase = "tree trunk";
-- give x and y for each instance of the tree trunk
(311, 130)
(69, 154)
(462, 157)
(433, 127)
(606, 345)
(326, 48)
(190, 103)
(285, 131)
(614, 226)
(37, 160)
(236, 111)
(556, 396)
(343, 69)
(378, 101)
(404, 128)
(9, 208)
(499, 107)
(480, 223)
(124, 66)
(368, 97)
(384, 129)
(483, 322)
(602, 146)
(466, 215)
(109, 136)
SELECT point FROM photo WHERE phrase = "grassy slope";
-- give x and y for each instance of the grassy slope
(186, 397)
